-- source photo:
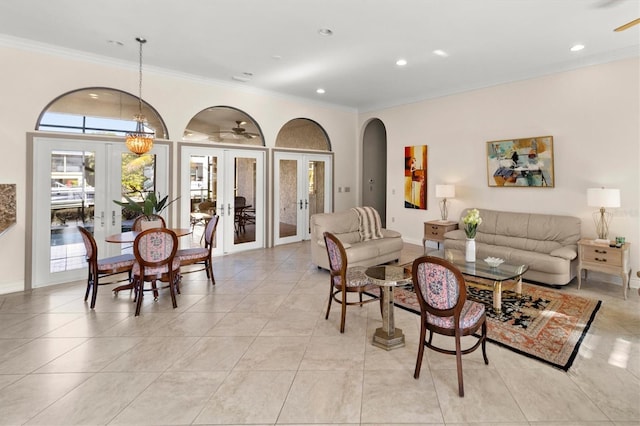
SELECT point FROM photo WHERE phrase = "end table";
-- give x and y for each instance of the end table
(603, 258)
(434, 230)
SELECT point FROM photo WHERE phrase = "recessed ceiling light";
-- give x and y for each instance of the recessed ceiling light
(116, 42)
(242, 78)
(577, 47)
(276, 57)
(325, 32)
(441, 53)
(401, 62)
(320, 91)
(93, 95)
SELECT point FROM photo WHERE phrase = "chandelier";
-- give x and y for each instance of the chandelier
(140, 141)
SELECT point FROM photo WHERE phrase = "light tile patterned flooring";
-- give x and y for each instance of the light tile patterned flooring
(256, 349)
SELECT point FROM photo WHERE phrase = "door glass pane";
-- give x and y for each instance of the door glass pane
(316, 189)
(72, 204)
(138, 178)
(288, 198)
(203, 175)
(245, 200)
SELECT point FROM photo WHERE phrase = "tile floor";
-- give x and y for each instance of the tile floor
(256, 349)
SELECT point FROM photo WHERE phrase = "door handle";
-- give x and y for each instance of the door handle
(229, 209)
(306, 204)
(102, 219)
(113, 218)
(300, 204)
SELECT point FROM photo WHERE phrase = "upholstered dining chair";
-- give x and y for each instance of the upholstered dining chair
(99, 268)
(202, 255)
(345, 280)
(137, 222)
(155, 260)
(444, 309)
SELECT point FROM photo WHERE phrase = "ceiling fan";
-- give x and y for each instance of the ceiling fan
(627, 25)
(238, 132)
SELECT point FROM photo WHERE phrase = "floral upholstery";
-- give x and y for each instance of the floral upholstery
(471, 313)
(438, 286)
(98, 268)
(155, 246)
(155, 270)
(335, 260)
(355, 278)
(441, 292)
(116, 262)
(192, 254)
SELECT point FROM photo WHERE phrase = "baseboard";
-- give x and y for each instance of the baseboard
(14, 287)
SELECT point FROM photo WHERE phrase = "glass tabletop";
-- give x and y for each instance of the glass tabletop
(481, 269)
(389, 275)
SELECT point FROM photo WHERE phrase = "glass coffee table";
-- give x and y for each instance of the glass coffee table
(495, 275)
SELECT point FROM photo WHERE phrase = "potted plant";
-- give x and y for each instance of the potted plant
(152, 204)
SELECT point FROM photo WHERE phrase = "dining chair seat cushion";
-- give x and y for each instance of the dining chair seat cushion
(157, 270)
(355, 277)
(192, 254)
(116, 263)
(470, 315)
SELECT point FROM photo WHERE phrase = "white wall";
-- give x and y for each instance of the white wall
(592, 113)
(31, 77)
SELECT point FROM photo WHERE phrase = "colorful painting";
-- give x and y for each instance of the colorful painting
(526, 162)
(415, 177)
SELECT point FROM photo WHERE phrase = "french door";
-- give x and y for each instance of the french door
(74, 184)
(302, 188)
(229, 183)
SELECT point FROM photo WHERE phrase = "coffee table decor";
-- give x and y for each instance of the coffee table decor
(543, 324)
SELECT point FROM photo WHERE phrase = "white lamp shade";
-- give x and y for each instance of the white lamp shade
(603, 197)
(445, 191)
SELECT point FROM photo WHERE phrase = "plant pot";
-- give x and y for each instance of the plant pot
(470, 250)
(150, 224)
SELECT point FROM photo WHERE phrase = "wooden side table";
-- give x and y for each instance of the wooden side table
(603, 258)
(434, 230)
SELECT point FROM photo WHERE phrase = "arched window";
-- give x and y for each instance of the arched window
(98, 110)
(223, 124)
(302, 133)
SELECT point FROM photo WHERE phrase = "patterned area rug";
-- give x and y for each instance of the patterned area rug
(545, 324)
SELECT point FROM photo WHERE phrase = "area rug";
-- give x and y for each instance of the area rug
(544, 324)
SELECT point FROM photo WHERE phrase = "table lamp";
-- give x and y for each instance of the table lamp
(603, 197)
(444, 192)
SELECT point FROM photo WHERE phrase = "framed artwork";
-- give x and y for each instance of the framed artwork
(526, 162)
(7, 205)
(415, 177)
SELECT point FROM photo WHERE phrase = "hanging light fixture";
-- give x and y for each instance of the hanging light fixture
(140, 141)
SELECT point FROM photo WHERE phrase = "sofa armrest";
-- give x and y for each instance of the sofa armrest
(389, 233)
(457, 234)
(568, 252)
(323, 245)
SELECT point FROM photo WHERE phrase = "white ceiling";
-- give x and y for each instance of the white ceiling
(277, 41)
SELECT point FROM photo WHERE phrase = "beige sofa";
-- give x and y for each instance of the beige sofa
(346, 226)
(547, 243)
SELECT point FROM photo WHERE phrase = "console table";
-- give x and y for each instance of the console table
(434, 230)
(603, 258)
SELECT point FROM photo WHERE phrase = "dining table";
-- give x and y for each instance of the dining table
(130, 237)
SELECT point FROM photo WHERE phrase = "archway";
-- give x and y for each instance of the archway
(302, 178)
(374, 168)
